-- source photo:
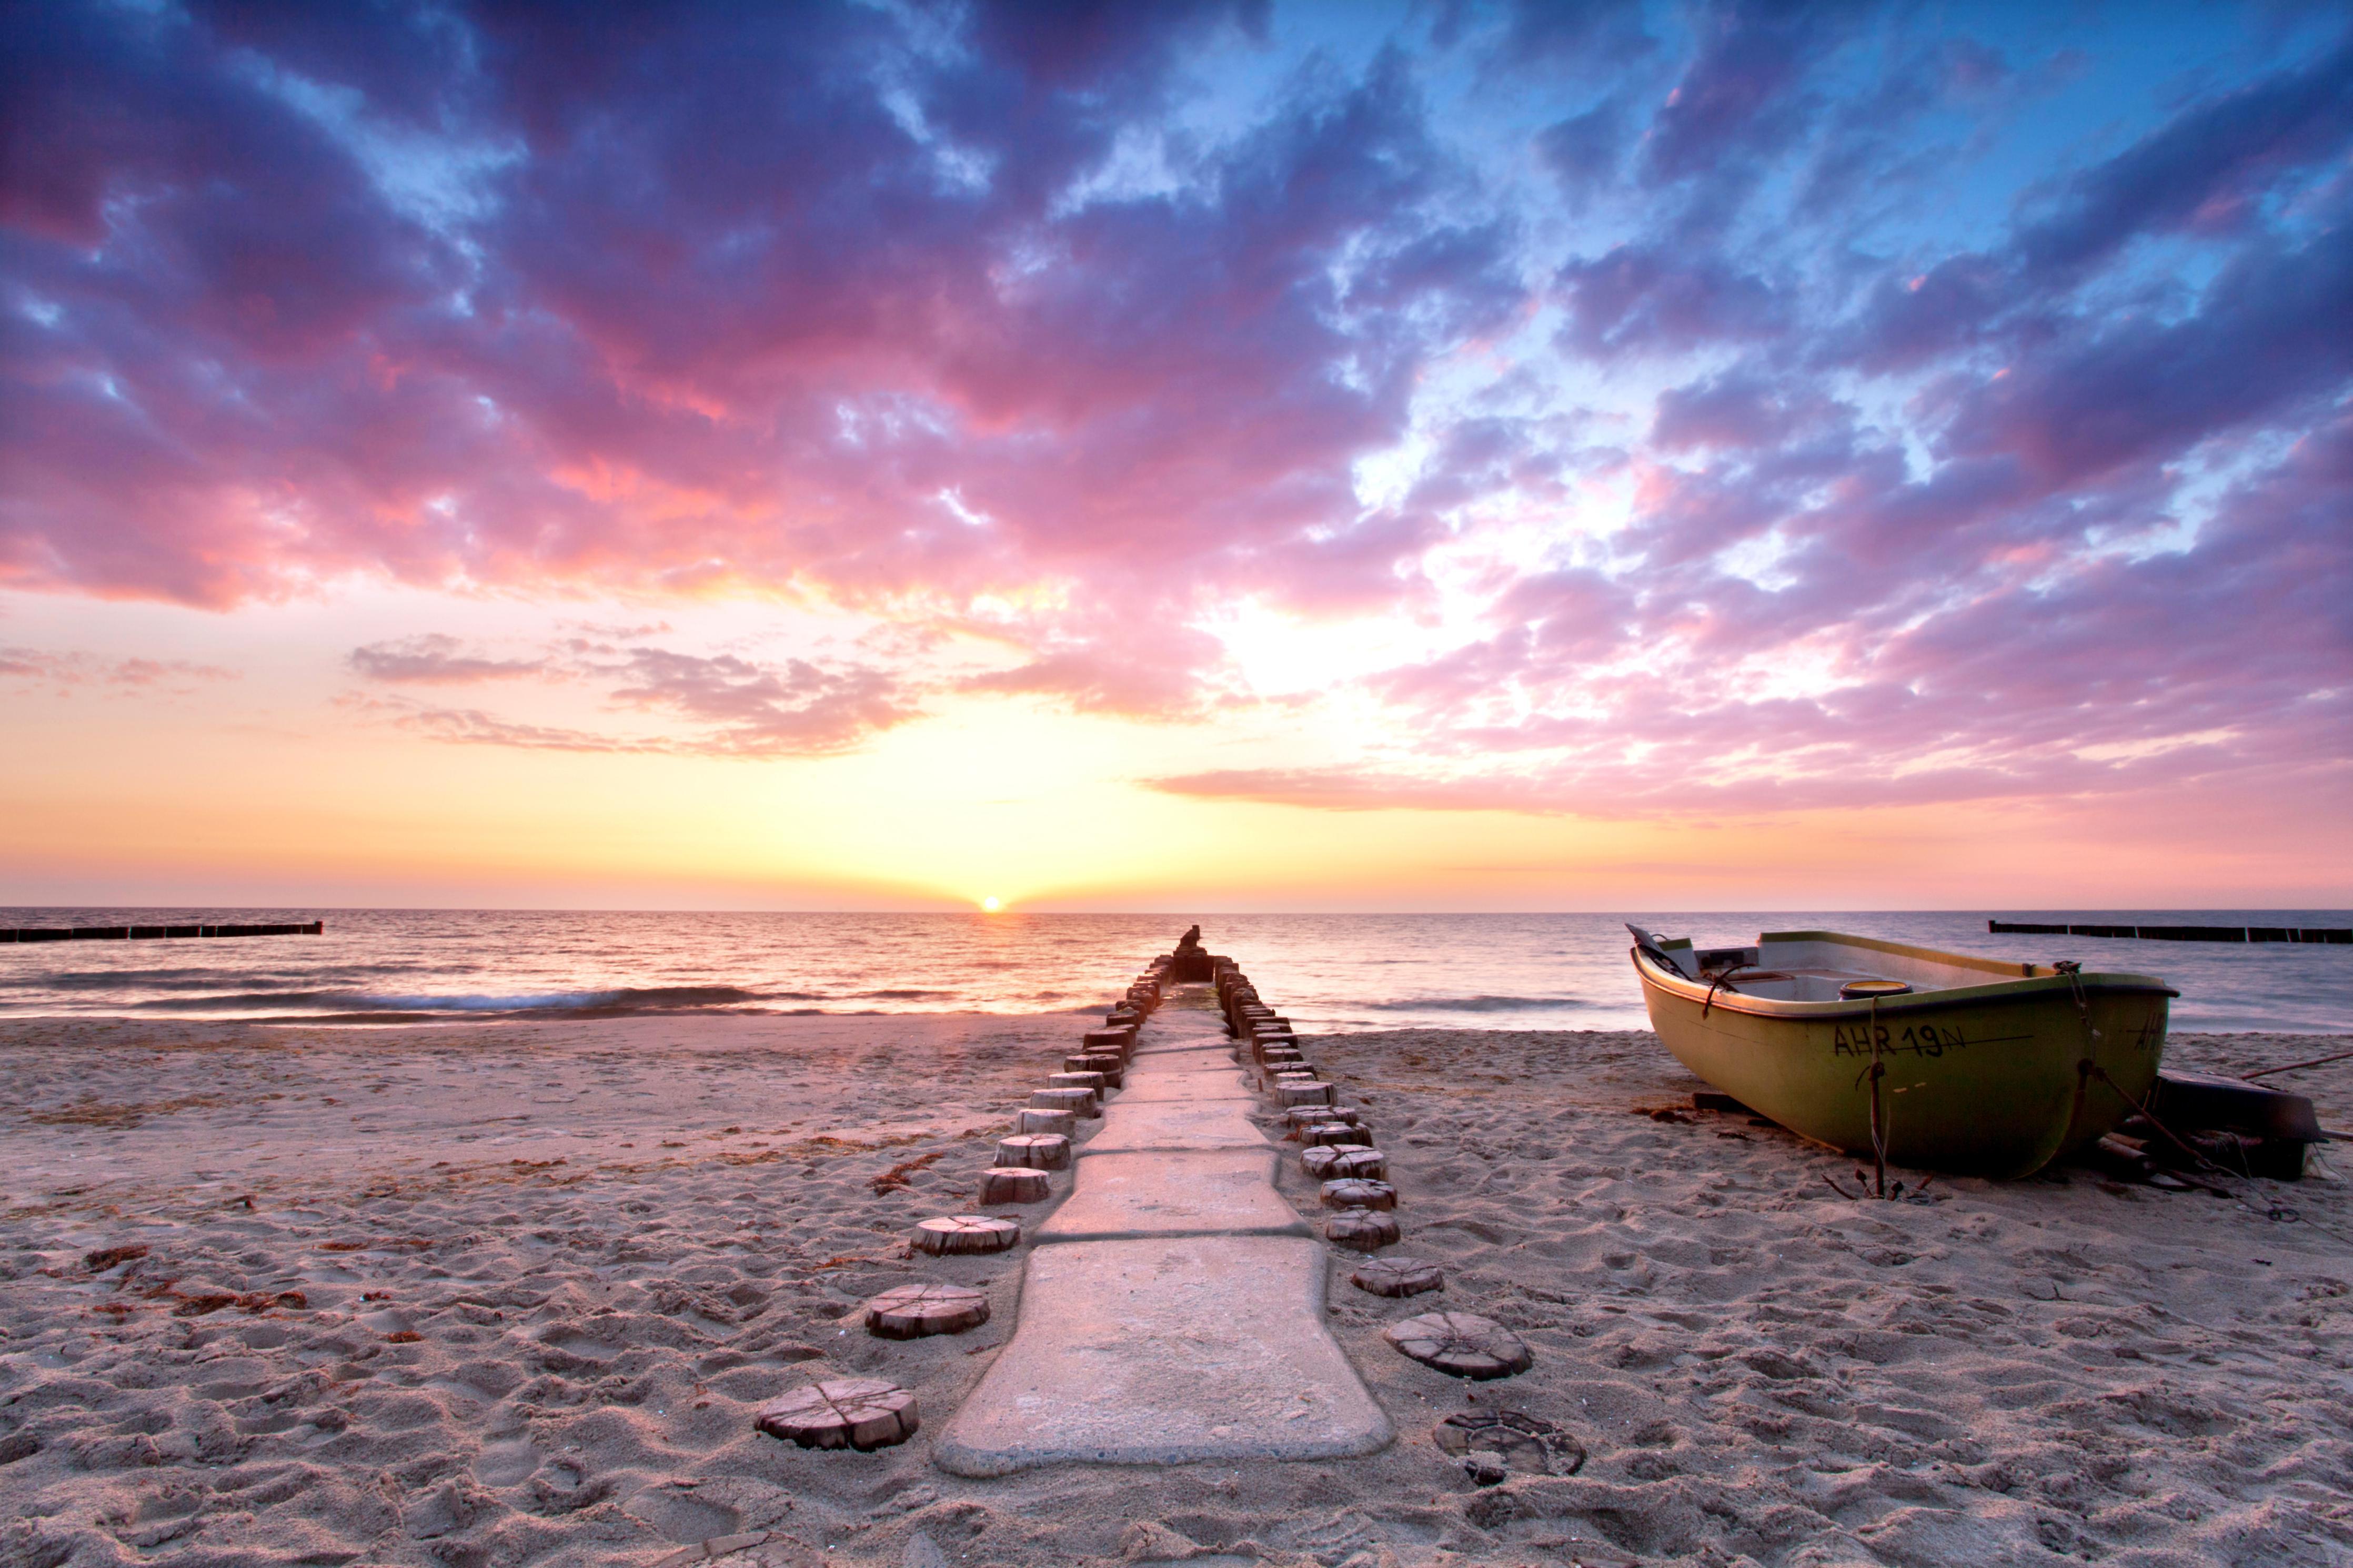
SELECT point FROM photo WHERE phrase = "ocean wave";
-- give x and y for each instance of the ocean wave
(203, 978)
(1475, 1004)
(350, 1007)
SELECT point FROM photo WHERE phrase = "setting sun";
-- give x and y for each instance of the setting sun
(991, 904)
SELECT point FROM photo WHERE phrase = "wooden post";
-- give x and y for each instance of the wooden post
(1035, 1151)
(1077, 1101)
(1014, 1186)
(915, 1311)
(1397, 1277)
(1361, 1230)
(860, 1413)
(1352, 1192)
(966, 1233)
(1461, 1344)
(1105, 1062)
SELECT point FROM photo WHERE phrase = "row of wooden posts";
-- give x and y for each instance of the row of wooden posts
(1337, 1148)
(867, 1413)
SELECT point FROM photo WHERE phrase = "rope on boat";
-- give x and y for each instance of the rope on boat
(1724, 981)
(1878, 1119)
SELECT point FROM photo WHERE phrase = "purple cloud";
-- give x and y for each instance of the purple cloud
(1008, 323)
(732, 706)
(1637, 299)
(433, 658)
(66, 671)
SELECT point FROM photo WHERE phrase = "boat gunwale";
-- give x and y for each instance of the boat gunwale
(2015, 990)
(2004, 967)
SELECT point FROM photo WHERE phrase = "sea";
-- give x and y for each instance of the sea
(1328, 972)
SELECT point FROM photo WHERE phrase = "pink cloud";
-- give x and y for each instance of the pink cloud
(67, 672)
(719, 705)
(656, 306)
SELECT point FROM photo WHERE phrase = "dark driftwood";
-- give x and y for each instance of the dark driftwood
(912, 1312)
(1461, 1344)
(1361, 1230)
(860, 1413)
(1011, 1186)
(1355, 1193)
(966, 1233)
(1397, 1277)
(1035, 1151)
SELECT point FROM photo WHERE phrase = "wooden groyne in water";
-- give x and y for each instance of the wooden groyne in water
(2333, 936)
(146, 933)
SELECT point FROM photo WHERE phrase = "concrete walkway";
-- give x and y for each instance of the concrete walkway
(1172, 1308)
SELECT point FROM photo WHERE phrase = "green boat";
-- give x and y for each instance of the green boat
(1963, 1064)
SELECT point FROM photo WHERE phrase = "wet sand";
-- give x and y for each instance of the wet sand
(511, 1294)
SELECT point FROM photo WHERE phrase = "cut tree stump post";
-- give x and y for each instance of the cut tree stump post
(1361, 1230)
(1316, 1132)
(1289, 1094)
(1356, 1193)
(1318, 1159)
(1397, 1277)
(1060, 1123)
(915, 1311)
(966, 1233)
(1461, 1344)
(1077, 1101)
(1093, 1082)
(1369, 1163)
(1014, 1186)
(861, 1413)
(1035, 1151)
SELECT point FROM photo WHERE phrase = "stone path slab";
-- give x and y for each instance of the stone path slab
(1192, 1059)
(1135, 1126)
(1187, 1046)
(1124, 1196)
(1166, 1351)
(1225, 1085)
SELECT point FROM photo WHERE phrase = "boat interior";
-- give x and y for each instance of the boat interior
(1821, 966)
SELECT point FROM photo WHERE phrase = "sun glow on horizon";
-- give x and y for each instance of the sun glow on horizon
(991, 904)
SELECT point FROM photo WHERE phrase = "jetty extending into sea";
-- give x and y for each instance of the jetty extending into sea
(1173, 1305)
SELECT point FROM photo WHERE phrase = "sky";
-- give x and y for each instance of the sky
(1435, 455)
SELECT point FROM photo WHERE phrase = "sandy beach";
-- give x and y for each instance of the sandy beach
(493, 1294)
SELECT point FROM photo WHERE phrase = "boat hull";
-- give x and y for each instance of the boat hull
(1986, 1081)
